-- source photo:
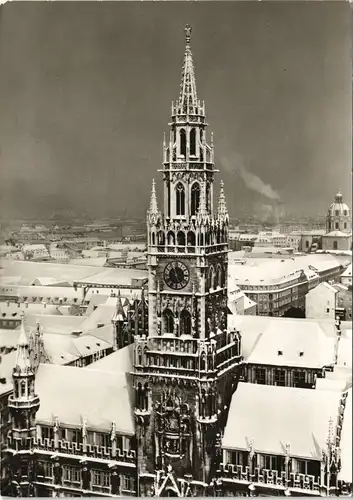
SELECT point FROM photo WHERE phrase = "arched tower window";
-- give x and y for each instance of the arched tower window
(153, 239)
(195, 197)
(211, 277)
(161, 237)
(191, 238)
(171, 238)
(180, 199)
(181, 238)
(185, 323)
(182, 142)
(168, 319)
(193, 141)
(23, 388)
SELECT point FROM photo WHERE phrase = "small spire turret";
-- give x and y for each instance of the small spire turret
(222, 206)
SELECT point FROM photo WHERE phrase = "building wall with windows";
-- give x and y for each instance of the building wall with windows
(320, 303)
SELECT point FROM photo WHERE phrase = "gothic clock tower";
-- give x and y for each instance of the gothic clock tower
(186, 368)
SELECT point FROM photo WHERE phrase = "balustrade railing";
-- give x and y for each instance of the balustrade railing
(94, 451)
(270, 477)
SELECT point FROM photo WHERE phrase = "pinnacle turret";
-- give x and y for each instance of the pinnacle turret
(119, 314)
(202, 212)
(153, 212)
(222, 206)
(23, 362)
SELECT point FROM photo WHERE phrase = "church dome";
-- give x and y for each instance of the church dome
(338, 208)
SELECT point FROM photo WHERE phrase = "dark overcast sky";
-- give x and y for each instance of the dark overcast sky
(86, 89)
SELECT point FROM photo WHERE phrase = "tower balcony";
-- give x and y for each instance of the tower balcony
(23, 404)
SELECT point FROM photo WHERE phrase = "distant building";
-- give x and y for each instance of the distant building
(338, 216)
(346, 276)
(338, 226)
(329, 301)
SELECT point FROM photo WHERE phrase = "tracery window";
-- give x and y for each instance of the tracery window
(180, 199)
(195, 198)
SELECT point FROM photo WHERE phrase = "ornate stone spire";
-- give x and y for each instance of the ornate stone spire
(119, 314)
(222, 206)
(187, 102)
(153, 202)
(153, 213)
(202, 210)
(23, 361)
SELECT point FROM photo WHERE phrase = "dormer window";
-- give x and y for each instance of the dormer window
(280, 353)
(301, 354)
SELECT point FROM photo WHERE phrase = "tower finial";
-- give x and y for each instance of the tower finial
(188, 30)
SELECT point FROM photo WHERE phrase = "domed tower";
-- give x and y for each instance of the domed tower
(338, 216)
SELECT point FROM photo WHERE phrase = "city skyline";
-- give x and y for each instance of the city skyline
(79, 133)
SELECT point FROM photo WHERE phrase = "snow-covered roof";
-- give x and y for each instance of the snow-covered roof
(74, 393)
(273, 416)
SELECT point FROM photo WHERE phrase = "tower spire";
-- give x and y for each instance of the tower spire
(23, 361)
(187, 102)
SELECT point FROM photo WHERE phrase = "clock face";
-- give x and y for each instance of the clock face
(176, 275)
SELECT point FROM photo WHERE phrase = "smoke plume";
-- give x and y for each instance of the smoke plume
(251, 180)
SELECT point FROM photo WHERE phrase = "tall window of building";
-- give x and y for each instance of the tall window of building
(47, 432)
(279, 377)
(168, 318)
(335, 245)
(195, 198)
(71, 473)
(273, 462)
(104, 440)
(185, 323)
(182, 142)
(336, 225)
(180, 199)
(208, 196)
(193, 142)
(128, 483)
(299, 379)
(100, 478)
(260, 376)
